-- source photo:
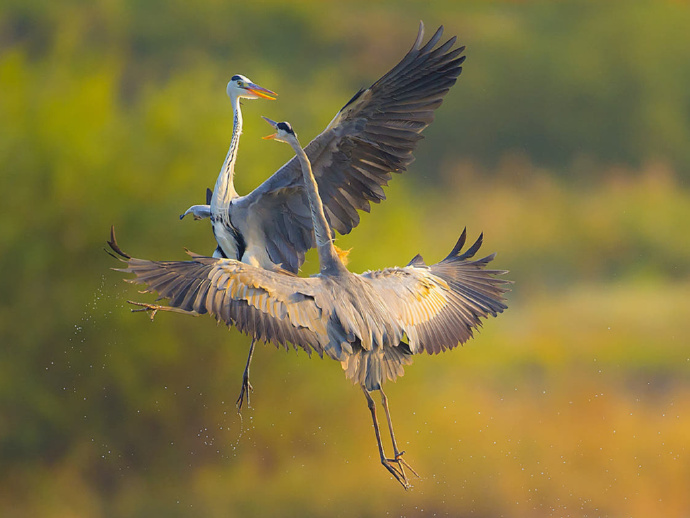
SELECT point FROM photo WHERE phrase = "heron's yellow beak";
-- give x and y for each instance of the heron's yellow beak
(264, 93)
(272, 123)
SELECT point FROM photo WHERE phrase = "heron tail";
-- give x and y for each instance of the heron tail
(372, 368)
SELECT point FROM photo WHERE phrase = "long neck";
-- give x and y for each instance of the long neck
(328, 258)
(224, 191)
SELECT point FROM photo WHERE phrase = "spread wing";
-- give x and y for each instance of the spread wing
(268, 305)
(370, 138)
(436, 307)
(439, 306)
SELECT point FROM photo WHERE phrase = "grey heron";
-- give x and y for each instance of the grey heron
(372, 323)
(371, 137)
(239, 87)
(231, 242)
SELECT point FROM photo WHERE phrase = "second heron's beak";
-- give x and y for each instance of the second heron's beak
(272, 123)
(261, 91)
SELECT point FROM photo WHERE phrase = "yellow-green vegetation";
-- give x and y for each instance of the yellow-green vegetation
(565, 141)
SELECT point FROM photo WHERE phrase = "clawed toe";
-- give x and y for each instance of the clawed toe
(402, 463)
(246, 389)
(397, 472)
(153, 308)
(396, 467)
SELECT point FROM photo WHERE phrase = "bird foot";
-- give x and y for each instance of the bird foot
(155, 308)
(246, 389)
(402, 463)
(396, 466)
(145, 307)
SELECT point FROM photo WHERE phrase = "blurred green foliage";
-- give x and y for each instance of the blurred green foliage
(565, 141)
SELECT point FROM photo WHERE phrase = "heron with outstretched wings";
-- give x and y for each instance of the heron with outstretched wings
(372, 323)
(370, 138)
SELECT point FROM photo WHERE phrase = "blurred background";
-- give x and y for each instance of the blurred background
(565, 140)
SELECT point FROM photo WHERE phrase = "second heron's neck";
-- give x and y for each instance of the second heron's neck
(224, 191)
(330, 262)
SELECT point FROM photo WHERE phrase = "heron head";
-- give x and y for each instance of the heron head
(242, 87)
(284, 132)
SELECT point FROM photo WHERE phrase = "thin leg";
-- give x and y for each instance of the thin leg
(246, 386)
(397, 453)
(398, 474)
(154, 308)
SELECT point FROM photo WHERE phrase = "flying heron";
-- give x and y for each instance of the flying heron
(372, 323)
(372, 136)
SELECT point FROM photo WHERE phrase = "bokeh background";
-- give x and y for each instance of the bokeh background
(566, 140)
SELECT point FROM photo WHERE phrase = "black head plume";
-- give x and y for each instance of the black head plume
(285, 126)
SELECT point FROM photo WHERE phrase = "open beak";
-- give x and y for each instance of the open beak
(261, 92)
(272, 123)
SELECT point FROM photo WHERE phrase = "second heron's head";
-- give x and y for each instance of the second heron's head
(284, 132)
(242, 87)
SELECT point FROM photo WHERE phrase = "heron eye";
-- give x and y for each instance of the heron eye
(241, 84)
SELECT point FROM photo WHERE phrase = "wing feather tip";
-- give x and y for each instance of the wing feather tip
(115, 247)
